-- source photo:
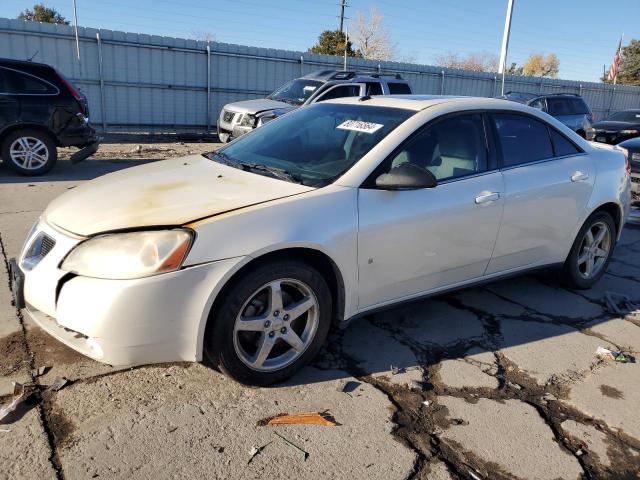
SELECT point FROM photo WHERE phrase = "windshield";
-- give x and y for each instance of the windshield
(628, 116)
(314, 145)
(296, 91)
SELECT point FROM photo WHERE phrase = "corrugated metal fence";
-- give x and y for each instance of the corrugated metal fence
(146, 82)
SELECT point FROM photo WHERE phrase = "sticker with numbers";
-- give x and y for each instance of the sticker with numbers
(360, 126)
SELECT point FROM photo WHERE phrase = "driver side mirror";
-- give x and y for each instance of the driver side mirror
(406, 176)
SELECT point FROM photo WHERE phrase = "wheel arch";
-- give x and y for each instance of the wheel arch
(316, 258)
(616, 213)
(27, 125)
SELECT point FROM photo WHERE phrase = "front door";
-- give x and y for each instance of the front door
(414, 241)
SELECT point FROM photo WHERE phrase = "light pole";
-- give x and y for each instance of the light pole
(75, 17)
(505, 43)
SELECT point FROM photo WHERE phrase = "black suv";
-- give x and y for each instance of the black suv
(569, 108)
(40, 110)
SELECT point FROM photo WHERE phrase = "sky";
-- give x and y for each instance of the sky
(584, 34)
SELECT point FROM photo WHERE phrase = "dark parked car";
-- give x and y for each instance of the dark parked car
(40, 110)
(569, 108)
(633, 147)
(618, 127)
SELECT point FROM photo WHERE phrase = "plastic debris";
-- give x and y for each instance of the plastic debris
(19, 396)
(308, 418)
(293, 445)
(255, 450)
(59, 383)
(426, 403)
(348, 387)
(606, 354)
(612, 355)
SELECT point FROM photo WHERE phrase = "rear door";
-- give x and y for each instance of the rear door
(548, 182)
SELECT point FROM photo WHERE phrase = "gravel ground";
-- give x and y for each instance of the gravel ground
(495, 382)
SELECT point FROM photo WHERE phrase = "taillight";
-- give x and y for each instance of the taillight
(628, 166)
(72, 90)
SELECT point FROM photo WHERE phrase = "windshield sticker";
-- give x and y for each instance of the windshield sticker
(360, 126)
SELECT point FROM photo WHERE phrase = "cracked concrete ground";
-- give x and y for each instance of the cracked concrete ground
(496, 382)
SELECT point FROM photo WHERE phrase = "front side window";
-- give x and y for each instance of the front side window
(374, 88)
(340, 92)
(296, 91)
(522, 139)
(314, 144)
(451, 148)
(577, 106)
(23, 84)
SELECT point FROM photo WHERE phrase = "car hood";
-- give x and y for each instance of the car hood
(633, 144)
(163, 193)
(614, 126)
(258, 105)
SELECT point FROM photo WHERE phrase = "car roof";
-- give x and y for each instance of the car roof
(17, 63)
(420, 102)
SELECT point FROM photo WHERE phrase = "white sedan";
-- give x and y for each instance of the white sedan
(248, 256)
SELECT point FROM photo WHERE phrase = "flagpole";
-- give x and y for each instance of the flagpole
(615, 79)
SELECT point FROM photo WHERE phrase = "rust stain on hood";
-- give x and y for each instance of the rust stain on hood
(168, 192)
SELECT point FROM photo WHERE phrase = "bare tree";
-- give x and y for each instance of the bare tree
(477, 62)
(371, 36)
(203, 36)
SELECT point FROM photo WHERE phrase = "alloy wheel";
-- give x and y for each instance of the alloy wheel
(276, 325)
(29, 153)
(594, 250)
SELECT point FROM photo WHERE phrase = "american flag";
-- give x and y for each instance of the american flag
(613, 71)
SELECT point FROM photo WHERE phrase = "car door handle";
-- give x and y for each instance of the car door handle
(579, 176)
(487, 197)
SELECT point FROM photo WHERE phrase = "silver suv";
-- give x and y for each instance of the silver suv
(569, 108)
(241, 117)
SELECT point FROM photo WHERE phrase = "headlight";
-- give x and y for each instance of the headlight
(247, 120)
(129, 255)
(628, 132)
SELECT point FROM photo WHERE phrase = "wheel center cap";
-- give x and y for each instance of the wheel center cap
(277, 324)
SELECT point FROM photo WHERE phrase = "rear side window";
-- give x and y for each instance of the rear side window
(561, 145)
(374, 88)
(20, 83)
(558, 106)
(399, 88)
(522, 139)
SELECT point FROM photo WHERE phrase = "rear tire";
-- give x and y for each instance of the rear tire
(270, 323)
(29, 152)
(591, 252)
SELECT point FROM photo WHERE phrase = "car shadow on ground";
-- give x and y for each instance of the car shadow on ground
(532, 321)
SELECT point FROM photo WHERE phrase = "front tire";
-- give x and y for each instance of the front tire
(591, 252)
(270, 323)
(29, 152)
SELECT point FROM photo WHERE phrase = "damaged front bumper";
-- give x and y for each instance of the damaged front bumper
(122, 322)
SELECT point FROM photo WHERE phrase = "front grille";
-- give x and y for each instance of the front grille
(39, 248)
(47, 245)
(228, 116)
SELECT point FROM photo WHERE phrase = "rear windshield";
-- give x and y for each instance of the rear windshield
(295, 91)
(317, 143)
(567, 106)
(628, 116)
